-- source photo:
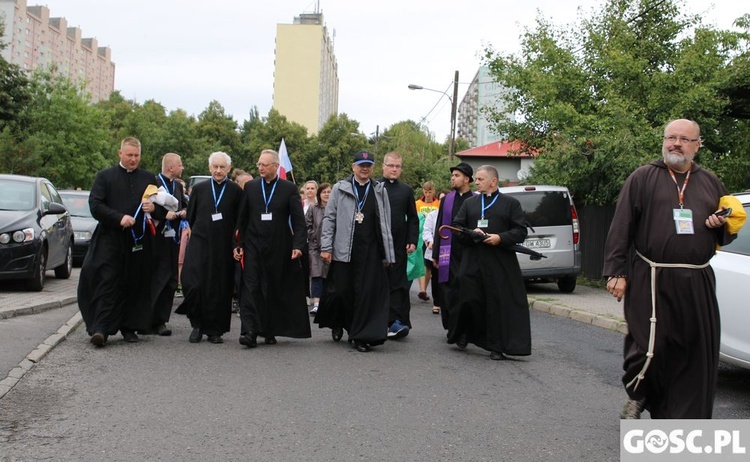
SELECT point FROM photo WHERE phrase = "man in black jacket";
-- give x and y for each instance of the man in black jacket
(405, 230)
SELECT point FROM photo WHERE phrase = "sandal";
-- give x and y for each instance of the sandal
(435, 310)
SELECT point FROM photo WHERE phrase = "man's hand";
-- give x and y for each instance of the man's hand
(148, 206)
(716, 221)
(296, 253)
(410, 248)
(325, 256)
(171, 215)
(238, 252)
(127, 221)
(492, 239)
(616, 286)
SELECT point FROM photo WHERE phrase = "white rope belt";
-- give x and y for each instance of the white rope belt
(652, 331)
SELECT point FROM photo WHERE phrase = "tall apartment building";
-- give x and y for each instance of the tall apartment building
(306, 80)
(472, 123)
(34, 40)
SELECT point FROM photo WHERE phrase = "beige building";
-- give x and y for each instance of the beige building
(34, 40)
(306, 81)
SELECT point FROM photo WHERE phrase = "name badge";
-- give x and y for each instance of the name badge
(169, 233)
(683, 221)
(137, 247)
(266, 216)
(483, 223)
(217, 217)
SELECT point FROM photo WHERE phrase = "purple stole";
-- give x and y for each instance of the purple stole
(444, 255)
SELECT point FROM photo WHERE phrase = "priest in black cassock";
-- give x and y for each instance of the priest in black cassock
(114, 287)
(273, 236)
(167, 246)
(446, 253)
(493, 308)
(208, 270)
(405, 232)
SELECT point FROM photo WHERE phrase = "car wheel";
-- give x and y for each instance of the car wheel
(63, 271)
(36, 283)
(567, 284)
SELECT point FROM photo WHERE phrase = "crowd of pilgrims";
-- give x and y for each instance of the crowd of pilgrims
(345, 253)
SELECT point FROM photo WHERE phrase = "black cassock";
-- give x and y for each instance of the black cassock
(493, 310)
(405, 230)
(114, 288)
(208, 269)
(166, 253)
(272, 302)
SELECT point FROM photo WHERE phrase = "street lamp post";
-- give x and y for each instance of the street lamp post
(454, 101)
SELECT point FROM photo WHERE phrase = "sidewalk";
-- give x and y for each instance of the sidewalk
(15, 301)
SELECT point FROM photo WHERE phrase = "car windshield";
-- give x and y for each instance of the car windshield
(17, 195)
(545, 208)
(741, 245)
(77, 204)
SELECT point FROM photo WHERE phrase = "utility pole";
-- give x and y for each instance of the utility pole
(452, 149)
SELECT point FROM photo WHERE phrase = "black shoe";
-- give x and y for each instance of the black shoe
(462, 341)
(163, 330)
(249, 340)
(337, 333)
(271, 340)
(129, 336)
(497, 356)
(361, 347)
(195, 336)
(98, 339)
(215, 339)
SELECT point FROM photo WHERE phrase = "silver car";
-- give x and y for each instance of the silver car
(554, 231)
(732, 267)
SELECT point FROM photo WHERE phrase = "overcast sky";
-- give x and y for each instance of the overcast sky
(185, 53)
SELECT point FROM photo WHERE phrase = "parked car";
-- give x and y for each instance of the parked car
(553, 231)
(77, 203)
(35, 231)
(731, 265)
(195, 179)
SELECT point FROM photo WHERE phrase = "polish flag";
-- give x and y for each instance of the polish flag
(285, 164)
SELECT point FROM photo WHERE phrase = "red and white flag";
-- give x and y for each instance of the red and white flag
(285, 163)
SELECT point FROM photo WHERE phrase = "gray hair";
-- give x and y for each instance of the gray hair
(274, 154)
(216, 154)
(491, 171)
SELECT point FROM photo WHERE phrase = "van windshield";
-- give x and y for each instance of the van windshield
(545, 208)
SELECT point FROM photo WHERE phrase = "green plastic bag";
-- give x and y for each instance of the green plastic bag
(415, 260)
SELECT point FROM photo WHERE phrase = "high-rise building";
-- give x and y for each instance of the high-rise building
(484, 92)
(306, 80)
(34, 40)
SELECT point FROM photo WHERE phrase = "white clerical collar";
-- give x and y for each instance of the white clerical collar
(124, 168)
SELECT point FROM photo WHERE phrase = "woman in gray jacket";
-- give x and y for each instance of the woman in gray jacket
(356, 239)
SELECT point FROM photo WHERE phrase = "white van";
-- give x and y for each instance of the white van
(553, 231)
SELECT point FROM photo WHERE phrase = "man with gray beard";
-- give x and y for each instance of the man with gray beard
(666, 215)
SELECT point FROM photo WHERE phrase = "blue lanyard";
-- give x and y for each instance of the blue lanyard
(166, 186)
(213, 190)
(143, 232)
(485, 208)
(263, 190)
(360, 203)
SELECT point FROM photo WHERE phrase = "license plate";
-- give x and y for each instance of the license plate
(537, 243)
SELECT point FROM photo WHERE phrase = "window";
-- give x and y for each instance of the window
(545, 208)
(741, 245)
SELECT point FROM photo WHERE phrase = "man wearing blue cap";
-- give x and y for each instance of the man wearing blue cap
(356, 240)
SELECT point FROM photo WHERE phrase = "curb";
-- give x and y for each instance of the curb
(36, 309)
(603, 321)
(40, 351)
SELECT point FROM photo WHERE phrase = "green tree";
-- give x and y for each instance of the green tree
(65, 138)
(267, 133)
(593, 99)
(14, 89)
(330, 155)
(219, 129)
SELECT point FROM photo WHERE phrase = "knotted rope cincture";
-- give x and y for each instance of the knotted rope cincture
(652, 331)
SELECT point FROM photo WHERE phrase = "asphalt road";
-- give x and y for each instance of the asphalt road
(415, 399)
